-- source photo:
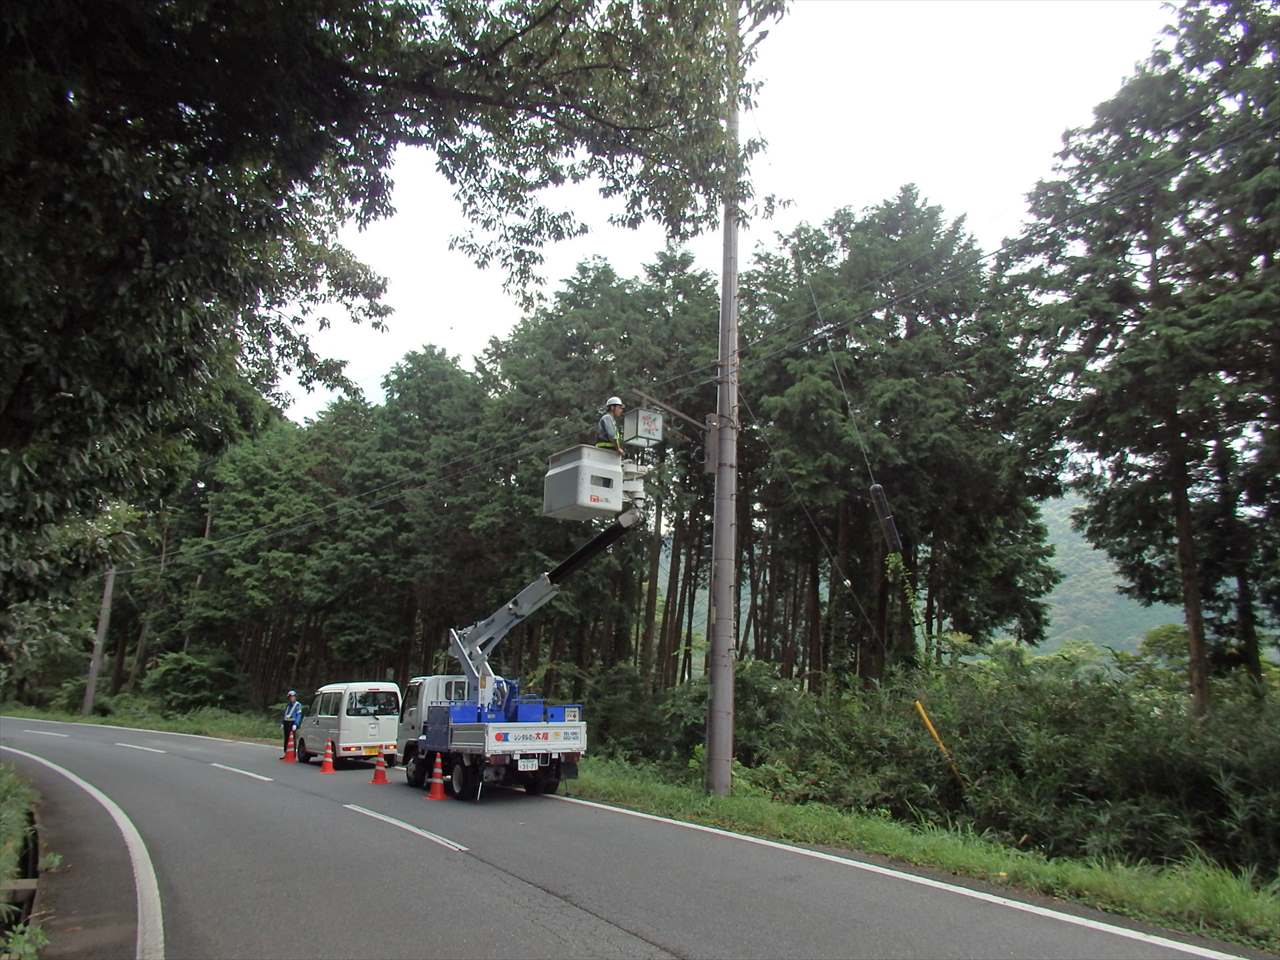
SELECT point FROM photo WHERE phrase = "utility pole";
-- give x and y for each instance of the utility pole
(719, 773)
(95, 661)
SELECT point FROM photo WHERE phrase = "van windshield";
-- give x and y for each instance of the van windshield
(373, 703)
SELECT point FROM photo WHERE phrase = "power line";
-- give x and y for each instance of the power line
(752, 359)
(831, 557)
(744, 357)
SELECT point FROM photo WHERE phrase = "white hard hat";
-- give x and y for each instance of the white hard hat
(613, 401)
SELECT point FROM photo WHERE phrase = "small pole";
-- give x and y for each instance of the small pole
(95, 661)
(928, 724)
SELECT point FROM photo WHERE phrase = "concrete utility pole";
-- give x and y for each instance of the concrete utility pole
(719, 774)
(95, 661)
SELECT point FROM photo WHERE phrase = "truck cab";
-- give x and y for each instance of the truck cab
(421, 692)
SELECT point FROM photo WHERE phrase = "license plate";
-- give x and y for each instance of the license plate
(530, 764)
(370, 751)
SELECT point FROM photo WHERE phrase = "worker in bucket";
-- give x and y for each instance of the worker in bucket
(292, 717)
(607, 436)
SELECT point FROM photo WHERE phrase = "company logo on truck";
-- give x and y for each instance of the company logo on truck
(538, 736)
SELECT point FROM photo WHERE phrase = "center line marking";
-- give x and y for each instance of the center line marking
(134, 746)
(47, 733)
(434, 838)
(243, 773)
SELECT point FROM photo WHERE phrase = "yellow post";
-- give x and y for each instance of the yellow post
(928, 725)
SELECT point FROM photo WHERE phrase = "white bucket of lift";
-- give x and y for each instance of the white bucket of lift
(582, 483)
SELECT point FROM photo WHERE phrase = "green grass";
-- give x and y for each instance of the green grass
(16, 798)
(1196, 896)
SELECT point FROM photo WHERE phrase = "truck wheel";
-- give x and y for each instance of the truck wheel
(415, 772)
(550, 785)
(303, 756)
(465, 781)
(458, 780)
(533, 785)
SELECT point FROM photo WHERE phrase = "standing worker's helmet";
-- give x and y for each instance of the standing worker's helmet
(613, 402)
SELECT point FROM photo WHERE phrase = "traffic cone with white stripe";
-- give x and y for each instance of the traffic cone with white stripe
(326, 765)
(380, 771)
(290, 750)
(437, 782)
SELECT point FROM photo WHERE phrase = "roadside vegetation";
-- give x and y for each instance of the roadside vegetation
(1144, 815)
(18, 940)
(1193, 895)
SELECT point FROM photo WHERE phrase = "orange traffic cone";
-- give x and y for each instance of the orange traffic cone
(326, 765)
(437, 782)
(380, 771)
(290, 750)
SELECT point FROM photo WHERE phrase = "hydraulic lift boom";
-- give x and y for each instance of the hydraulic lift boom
(473, 644)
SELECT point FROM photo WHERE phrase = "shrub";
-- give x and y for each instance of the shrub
(183, 682)
(1064, 754)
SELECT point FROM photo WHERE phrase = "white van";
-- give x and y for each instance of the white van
(360, 719)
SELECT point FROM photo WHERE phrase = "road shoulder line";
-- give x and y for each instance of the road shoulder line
(150, 936)
(992, 898)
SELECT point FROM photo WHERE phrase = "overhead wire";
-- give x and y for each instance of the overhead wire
(747, 357)
(743, 355)
(835, 562)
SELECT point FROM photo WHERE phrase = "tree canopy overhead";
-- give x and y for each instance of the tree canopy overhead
(175, 175)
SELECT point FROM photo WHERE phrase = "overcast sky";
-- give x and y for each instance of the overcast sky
(968, 100)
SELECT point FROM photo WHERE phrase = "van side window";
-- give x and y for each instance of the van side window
(315, 705)
(410, 699)
(455, 690)
(329, 704)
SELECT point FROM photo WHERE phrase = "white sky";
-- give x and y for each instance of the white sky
(968, 100)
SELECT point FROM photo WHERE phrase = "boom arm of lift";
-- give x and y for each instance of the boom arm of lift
(472, 645)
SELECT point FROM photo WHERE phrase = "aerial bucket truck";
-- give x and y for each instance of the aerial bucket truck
(485, 728)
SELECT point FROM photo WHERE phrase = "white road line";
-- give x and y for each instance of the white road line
(47, 733)
(434, 838)
(166, 733)
(150, 940)
(924, 882)
(134, 746)
(243, 773)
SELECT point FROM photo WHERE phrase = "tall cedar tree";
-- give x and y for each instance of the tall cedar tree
(1153, 254)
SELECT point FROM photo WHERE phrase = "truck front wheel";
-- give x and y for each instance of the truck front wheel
(415, 771)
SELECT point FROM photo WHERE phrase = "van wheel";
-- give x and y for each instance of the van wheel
(415, 772)
(303, 756)
(390, 759)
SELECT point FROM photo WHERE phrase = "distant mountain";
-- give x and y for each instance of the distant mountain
(1087, 604)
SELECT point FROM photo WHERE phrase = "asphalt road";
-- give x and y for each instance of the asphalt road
(256, 858)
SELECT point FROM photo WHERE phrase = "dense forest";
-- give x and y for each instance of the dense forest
(1125, 347)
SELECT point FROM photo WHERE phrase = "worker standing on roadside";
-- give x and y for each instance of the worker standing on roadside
(292, 717)
(607, 436)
